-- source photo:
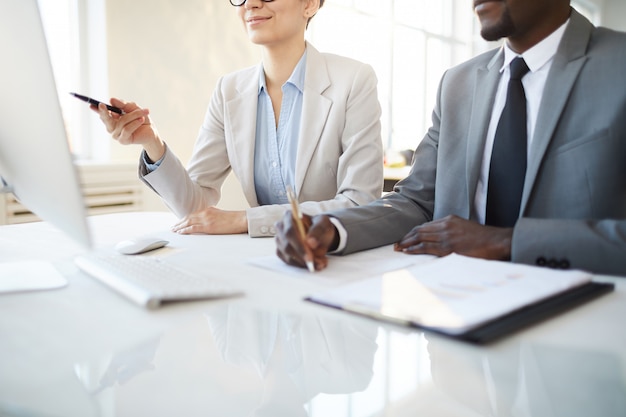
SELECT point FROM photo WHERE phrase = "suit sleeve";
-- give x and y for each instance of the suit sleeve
(389, 218)
(185, 190)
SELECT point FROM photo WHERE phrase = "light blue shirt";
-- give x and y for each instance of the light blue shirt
(276, 147)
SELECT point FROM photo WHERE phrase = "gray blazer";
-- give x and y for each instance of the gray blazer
(574, 198)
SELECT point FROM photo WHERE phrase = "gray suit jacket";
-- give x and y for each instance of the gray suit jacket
(574, 198)
(340, 152)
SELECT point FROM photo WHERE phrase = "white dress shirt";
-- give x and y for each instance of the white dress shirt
(539, 60)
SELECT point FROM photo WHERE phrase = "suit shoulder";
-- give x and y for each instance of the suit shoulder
(244, 73)
(609, 42)
(606, 34)
(233, 83)
(340, 61)
(479, 61)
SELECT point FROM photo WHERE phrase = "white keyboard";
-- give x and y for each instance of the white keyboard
(150, 281)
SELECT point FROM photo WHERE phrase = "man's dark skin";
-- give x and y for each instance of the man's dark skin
(523, 23)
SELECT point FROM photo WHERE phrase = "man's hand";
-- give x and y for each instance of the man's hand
(321, 238)
(454, 234)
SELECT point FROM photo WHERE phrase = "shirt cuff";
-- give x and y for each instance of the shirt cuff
(151, 166)
(343, 235)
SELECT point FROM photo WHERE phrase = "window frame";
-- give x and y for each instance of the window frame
(327, 35)
(76, 32)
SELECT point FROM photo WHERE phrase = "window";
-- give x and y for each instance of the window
(589, 9)
(410, 43)
(78, 59)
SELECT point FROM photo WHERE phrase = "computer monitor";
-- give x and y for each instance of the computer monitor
(35, 158)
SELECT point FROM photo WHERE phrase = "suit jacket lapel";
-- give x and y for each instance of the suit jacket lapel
(240, 116)
(568, 62)
(315, 110)
(487, 79)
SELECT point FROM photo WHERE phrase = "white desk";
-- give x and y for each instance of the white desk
(85, 351)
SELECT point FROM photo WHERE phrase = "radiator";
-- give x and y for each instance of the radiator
(107, 188)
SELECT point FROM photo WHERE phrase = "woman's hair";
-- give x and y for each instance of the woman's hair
(307, 22)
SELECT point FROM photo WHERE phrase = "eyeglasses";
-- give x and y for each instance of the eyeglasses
(238, 3)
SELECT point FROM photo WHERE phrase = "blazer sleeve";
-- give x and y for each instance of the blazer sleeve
(358, 166)
(188, 189)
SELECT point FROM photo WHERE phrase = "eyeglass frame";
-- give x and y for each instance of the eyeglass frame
(234, 2)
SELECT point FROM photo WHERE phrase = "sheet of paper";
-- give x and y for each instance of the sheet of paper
(452, 294)
(343, 269)
(29, 276)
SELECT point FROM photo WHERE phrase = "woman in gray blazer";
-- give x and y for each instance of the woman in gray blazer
(300, 118)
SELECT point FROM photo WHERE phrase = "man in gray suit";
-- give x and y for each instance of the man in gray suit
(572, 202)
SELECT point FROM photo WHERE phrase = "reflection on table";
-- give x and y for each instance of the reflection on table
(84, 351)
(295, 357)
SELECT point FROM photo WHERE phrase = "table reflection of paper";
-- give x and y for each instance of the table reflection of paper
(343, 269)
(528, 378)
(297, 357)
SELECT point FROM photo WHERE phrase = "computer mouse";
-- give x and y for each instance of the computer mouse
(140, 245)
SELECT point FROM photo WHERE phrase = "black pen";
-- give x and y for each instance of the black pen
(94, 102)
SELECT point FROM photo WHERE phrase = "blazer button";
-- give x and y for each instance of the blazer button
(564, 264)
(272, 230)
(264, 230)
(541, 261)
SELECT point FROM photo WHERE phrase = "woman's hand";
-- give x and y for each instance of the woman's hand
(213, 221)
(132, 127)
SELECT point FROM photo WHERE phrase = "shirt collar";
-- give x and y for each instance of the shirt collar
(540, 54)
(296, 78)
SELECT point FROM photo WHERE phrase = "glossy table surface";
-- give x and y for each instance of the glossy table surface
(83, 350)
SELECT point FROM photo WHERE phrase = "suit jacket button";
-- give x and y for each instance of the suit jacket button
(564, 264)
(541, 261)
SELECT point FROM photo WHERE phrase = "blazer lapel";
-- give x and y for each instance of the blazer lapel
(239, 119)
(568, 62)
(487, 79)
(315, 110)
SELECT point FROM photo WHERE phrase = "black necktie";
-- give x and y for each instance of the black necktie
(508, 159)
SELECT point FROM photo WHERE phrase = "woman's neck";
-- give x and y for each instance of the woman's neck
(279, 62)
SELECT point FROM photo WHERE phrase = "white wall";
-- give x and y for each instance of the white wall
(614, 14)
(167, 55)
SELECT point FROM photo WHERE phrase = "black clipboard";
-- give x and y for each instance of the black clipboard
(509, 323)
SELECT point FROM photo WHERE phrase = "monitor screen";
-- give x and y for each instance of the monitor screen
(35, 159)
